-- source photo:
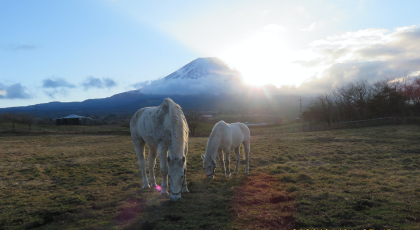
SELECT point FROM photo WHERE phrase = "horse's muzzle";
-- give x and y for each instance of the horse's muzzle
(175, 198)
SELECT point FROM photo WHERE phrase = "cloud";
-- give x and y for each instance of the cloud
(313, 26)
(210, 84)
(56, 83)
(21, 47)
(15, 91)
(109, 83)
(93, 82)
(141, 84)
(371, 54)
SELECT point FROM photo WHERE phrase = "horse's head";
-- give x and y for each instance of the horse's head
(176, 176)
(209, 166)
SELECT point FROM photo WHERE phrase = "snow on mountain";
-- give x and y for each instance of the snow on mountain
(201, 76)
(202, 67)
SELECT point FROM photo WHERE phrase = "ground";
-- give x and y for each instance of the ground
(353, 178)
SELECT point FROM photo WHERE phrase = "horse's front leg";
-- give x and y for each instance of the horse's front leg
(222, 162)
(247, 147)
(152, 162)
(163, 154)
(227, 161)
(139, 148)
(238, 156)
(184, 185)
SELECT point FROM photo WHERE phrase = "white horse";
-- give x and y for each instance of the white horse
(223, 137)
(162, 128)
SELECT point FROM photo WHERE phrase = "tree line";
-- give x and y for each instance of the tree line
(360, 100)
(18, 118)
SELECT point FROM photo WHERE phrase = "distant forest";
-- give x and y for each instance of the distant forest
(360, 100)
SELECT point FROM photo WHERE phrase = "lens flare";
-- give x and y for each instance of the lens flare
(158, 188)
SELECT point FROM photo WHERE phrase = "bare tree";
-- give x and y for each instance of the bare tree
(192, 120)
(11, 117)
(323, 106)
(354, 98)
(27, 119)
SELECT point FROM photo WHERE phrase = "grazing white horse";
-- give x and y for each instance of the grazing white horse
(223, 137)
(162, 128)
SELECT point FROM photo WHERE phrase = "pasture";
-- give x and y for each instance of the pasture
(353, 178)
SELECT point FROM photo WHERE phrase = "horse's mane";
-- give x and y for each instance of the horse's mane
(179, 127)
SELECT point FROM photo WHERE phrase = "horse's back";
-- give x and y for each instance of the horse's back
(144, 125)
(240, 133)
(164, 124)
(245, 130)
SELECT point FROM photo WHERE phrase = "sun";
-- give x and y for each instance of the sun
(266, 58)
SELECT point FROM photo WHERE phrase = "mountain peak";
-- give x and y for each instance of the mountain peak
(203, 67)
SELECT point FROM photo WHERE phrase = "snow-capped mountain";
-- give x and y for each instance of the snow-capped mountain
(203, 67)
(201, 76)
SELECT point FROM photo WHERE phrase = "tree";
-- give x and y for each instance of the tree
(12, 118)
(321, 108)
(27, 119)
(353, 97)
(192, 120)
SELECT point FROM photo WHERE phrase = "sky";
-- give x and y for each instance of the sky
(73, 50)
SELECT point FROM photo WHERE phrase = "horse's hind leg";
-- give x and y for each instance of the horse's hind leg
(163, 154)
(247, 149)
(139, 147)
(152, 162)
(222, 162)
(238, 156)
(227, 161)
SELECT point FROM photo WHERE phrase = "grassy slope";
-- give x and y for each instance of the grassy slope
(345, 178)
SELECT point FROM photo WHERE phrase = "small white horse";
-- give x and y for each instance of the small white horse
(223, 137)
(162, 128)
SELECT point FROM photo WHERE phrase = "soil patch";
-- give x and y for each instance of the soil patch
(262, 203)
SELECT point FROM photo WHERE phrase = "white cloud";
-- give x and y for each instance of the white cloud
(313, 26)
(370, 54)
(211, 84)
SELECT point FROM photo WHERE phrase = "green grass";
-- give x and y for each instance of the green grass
(356, 178)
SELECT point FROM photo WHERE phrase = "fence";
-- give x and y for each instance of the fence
(267, 130)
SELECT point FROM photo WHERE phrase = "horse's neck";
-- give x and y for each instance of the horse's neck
(176, 147)
(212, 146)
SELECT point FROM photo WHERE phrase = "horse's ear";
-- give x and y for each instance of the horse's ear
(202, 156)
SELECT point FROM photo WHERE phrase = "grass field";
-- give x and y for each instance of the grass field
(356, 178)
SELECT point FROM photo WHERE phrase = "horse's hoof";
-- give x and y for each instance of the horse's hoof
(185, 190)
(235, 173)
(164, 193)
(153, 185)
(246, 172)
(228, 175)
(146, 186)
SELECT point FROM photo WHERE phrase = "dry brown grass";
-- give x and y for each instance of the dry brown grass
(355, 178)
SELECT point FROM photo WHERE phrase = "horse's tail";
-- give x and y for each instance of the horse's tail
(133, 123)
(247, 138)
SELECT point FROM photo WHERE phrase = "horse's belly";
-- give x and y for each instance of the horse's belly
(236, 143)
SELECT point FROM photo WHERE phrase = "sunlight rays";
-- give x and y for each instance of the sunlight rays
(266, 58)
